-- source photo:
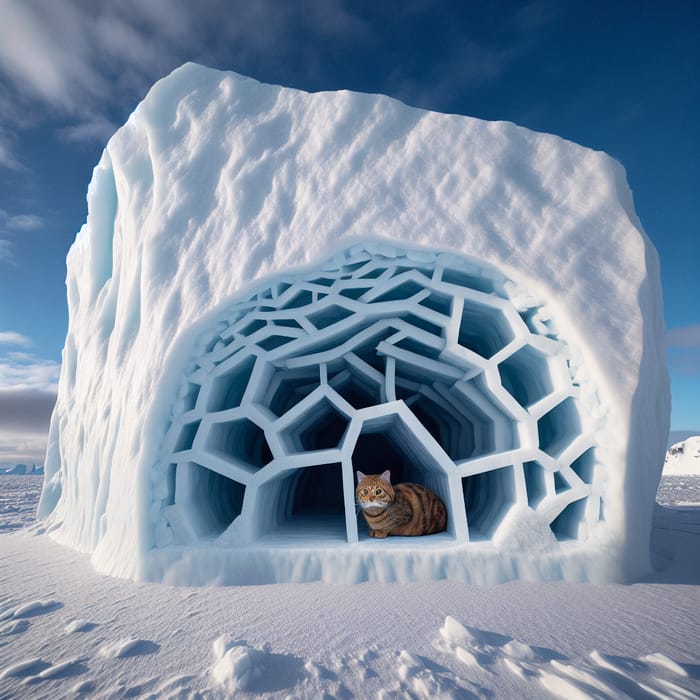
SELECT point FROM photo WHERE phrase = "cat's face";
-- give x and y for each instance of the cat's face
(374, 490)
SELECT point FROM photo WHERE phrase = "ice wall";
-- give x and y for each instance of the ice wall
(273, 288)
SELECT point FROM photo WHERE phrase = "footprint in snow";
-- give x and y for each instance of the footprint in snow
(599, 675)
(177, 686)
(13, 627)
(479, 648)
(420, 677)
(36, 670)
(65, 669)
(36, 607)
(607, 676)
(123, 648)
(79, 626)
(23, 669)
(239, 667)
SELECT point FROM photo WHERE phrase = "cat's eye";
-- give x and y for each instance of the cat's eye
(378, 492)
(365, 492)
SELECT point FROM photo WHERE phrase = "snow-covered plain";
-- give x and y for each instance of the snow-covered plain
(67, 631)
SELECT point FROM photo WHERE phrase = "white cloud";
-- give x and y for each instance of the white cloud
(25, 222)
(25, 371)
(6, 254)
(7, 157)
(12, 338)
(44, 50)
(22, 448)
(98, 128)
(96, 58)
(20, 222)
(73, 57)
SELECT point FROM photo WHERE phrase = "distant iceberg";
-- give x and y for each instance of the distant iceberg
(22, 470)
(274, 288)
(683, 458)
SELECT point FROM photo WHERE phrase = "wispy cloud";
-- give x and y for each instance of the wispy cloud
(20, 222)
(7, 157)
(28, 388)
(13, 338)
(88, 61)
(471, 61)
(11, 225)
(28, 372)
(44, 51)
(85, 58)
(6, 254)
(22, 448)
(99, 128)
(15, 224)
(683, 346)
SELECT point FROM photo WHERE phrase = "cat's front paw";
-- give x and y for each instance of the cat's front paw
(379, 534)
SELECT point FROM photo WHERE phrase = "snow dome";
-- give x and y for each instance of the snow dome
(274, 289)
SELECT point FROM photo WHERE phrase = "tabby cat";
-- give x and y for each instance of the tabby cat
(401, 509)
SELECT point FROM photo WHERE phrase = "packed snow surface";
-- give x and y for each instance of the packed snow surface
(683, 457)
(273, 285)
(66, 631)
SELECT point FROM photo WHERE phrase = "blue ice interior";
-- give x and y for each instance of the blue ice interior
(307, 500)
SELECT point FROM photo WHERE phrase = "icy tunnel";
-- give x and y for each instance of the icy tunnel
(427, 364)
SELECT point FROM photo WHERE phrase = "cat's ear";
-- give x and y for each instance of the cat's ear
(360, 477)
(386, 476)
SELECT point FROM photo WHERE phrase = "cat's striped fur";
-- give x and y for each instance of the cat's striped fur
(400, 509)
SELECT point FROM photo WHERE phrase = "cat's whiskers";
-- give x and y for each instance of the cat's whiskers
(373, 504)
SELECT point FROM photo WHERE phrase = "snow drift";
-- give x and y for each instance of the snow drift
(683, 458)
(274, 288)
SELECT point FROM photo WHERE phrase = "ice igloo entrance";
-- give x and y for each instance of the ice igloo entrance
(427, 364)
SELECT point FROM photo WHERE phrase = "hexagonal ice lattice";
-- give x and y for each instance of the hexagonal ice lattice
(426, 364)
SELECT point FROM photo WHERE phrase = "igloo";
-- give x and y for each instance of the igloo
(275, 288)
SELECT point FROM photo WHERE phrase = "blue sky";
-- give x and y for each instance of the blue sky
(623, 77)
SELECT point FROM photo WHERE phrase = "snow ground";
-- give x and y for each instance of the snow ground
(66, 631)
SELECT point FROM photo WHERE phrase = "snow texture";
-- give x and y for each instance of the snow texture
(66, 631)
(683, 458)
(237, 666)
(274, 288)
(17, 493)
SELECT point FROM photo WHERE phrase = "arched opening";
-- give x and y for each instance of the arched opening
(305, 505)
(209, 501)
(423, 370)
(387, 442)
(488, 497)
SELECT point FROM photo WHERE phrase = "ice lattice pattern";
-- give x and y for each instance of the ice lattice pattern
(432, 365)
